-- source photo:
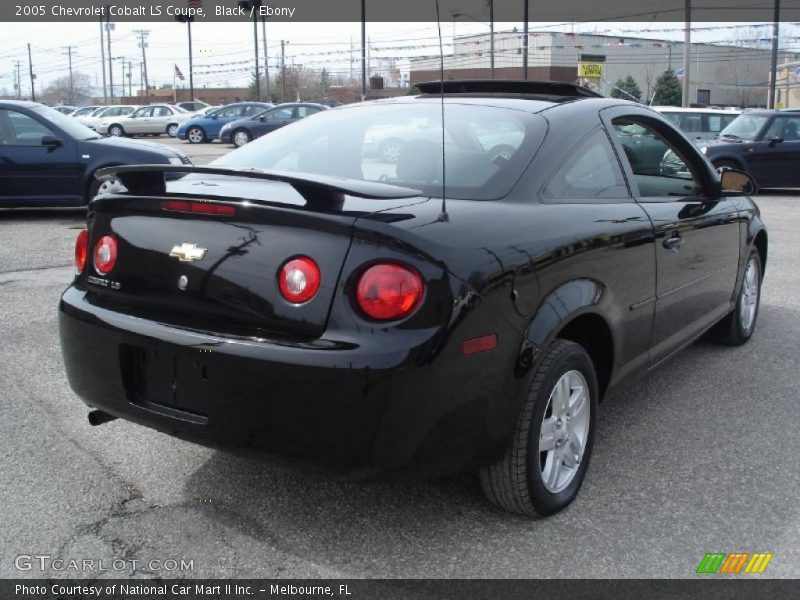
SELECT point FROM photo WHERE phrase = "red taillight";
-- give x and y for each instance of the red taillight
(299, 280)
(389, 291)
(105, 254)
(81, 250)
(205, 208)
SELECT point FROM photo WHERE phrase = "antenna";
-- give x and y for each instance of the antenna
(443, 216)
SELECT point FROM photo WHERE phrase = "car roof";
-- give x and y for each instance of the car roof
(20, 103)
(681, 109)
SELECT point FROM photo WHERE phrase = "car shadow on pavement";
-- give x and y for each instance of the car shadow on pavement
(42, 214)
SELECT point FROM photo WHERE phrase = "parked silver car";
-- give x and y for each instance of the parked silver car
(154, 119)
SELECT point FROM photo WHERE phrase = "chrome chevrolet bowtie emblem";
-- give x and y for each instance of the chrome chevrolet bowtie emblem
(188, 252)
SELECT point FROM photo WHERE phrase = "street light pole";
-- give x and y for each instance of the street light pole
(363, 50)
(266, 56)
(103, 60)
(774, 59)
(30, 70)
(283, 70)
(687, 45)
(109, 27)
(71, 82)
(491, 37)
(143, 33)
(525, 42)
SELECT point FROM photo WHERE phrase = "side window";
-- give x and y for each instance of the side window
(692, 123)
(231, 111)
(251, 109)
(714, 123)
(785, 128)
(305, 111)
(143, 112)
(591, 171)
(278, 115)
(657, 166)
(17, 129)
(161, 111)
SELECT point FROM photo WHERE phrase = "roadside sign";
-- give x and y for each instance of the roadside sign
(596, 70)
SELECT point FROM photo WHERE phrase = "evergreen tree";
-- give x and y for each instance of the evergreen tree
(668, 90)
(627, 89)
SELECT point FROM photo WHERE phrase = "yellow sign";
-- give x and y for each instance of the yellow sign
(591, 69)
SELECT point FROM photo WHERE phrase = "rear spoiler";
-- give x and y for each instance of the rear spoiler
(318, 190)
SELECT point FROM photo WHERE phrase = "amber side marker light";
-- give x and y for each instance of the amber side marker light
(479, 344)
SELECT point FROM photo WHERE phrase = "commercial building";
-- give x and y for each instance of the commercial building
(723, 75)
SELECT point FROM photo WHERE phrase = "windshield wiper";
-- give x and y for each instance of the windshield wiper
(731, 137)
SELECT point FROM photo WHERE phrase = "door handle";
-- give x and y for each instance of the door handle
(673, 242)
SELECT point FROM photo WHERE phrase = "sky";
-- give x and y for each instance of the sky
(311, 44)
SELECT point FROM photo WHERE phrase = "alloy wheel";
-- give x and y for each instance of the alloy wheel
(195, 135)
(748, 303)
(241, 138)
(564, 431)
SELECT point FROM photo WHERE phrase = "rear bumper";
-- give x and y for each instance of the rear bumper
(348, 407)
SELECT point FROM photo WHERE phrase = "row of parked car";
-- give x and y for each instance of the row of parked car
(238, 123)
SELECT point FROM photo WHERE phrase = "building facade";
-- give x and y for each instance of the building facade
(719, 75)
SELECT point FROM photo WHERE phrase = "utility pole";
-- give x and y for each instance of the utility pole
(18, 65)
(141, 79)
(266, 56)
(103, 59)
(188, 20)
(524, 42)
(283, 70)
(363, 50)
(774, 66)
(130, 83)
(109, 27)
(71, 82)
(253, 6)
(30, 69)
(143, 33)
(687, 45)
(491, 37)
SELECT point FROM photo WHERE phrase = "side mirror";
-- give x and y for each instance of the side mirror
(262, 119)
(737, 182)
(215, 117)
(51, 142)
(775, 140)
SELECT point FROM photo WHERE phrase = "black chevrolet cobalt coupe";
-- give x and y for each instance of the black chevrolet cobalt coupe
(466, 304)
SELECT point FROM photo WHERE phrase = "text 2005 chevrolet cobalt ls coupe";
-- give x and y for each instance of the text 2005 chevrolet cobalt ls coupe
(321, 304)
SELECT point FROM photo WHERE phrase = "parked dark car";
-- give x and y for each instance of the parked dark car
(244, 131)
(301, 299)
(763, 143)
(48, 158)
(194, 106)
(206, 127)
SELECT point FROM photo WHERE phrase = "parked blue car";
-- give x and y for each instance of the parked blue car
(207, 127)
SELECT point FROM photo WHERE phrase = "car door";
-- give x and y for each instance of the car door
(159, 119)
(221, 117)
(30, 172)
(274, 119)
(774, 156)
(696, 230)
(137, 123)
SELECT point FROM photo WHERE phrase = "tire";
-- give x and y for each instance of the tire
(503, 151)
(97, 187)
(521, 482)
(390, 149)
(196, 135)
(116, 130)
(241, 137)
(738, 326)
(728, 164)
(172, 130)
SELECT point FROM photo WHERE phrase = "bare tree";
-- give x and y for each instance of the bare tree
(649, 79)
(58, 92)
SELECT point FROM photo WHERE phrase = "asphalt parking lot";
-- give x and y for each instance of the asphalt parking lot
(201, 154)
(700, 457)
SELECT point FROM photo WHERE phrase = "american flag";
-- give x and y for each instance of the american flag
(194, 3)
(178, 73)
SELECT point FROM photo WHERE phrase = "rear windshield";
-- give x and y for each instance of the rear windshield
(486, 148)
